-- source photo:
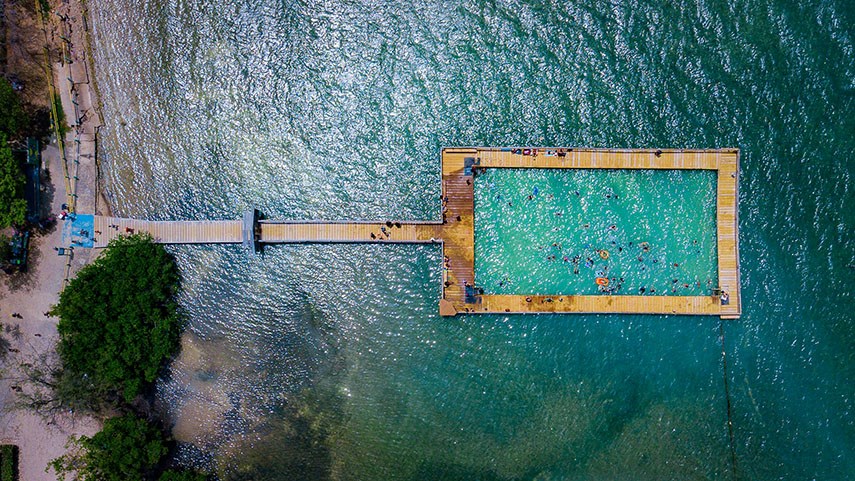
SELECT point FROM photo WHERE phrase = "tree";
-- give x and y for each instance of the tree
(128, 448)
(12, 116)
(13, 207)
(118, 319)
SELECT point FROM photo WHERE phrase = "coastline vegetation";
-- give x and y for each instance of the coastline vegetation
(8, 462)
(127, 448)
(13, 119)
(118, 322)
(118, 327)
(13, 207)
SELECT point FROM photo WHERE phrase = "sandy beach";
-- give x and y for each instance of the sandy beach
(30, 295)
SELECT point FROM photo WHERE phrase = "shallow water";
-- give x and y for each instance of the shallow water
(331, 361)
(649, 232)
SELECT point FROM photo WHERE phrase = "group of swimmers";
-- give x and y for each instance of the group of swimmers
(593, 256)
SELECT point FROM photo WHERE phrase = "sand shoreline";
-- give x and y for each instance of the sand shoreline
(31, 294)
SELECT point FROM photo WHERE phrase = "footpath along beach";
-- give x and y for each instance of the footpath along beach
(60, 41)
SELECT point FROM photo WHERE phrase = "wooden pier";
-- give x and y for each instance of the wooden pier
(169, 232)
(271, 232)
(456, 232)
(349, 232)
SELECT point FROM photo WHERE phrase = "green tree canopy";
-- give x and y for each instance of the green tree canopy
(128, 448)
(118, 321)
(12, 116)
(13, 207)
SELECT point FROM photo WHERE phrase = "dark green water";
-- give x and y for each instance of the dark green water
(316, 362)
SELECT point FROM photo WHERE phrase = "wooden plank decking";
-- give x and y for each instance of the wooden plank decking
(229, 232)
(725, 161)
(456, 233)
(618, 304)
(169, 232)
(600, 159)
(458, 230)
(727, 232)
(348, 232)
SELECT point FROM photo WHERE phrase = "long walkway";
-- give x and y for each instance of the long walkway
(456, 232)
(169, 232)
(272, 232)
(349, 232)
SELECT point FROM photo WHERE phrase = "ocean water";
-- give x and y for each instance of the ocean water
(556, 231)
(331, 362)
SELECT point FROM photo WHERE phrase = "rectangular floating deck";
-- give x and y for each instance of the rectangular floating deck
(459, 236)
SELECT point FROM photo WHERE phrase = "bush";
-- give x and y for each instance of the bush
(12, 116)
(128, 448)
(8, 462)
(118, 320)
(13, 207)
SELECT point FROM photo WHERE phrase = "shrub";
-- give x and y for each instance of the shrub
(12, 116)
(13, 207)
(8, 462)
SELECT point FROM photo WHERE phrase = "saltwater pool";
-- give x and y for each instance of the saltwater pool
(556, 231)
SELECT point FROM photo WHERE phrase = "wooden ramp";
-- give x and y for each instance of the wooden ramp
(169, 232)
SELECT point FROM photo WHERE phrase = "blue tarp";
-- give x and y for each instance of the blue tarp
(78, 230)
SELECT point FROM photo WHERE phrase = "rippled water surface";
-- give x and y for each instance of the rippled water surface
(331, 362)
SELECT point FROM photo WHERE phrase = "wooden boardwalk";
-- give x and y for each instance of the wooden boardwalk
(456, 232)
(727, 232)
(618, 304)
(229, 231)
(601, 159)
(169, 232)
(349, 232)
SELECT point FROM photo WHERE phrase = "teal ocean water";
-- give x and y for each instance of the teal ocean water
(557, 231)
(330, 362)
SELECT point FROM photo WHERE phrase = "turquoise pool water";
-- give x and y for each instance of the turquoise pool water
(555, 231)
